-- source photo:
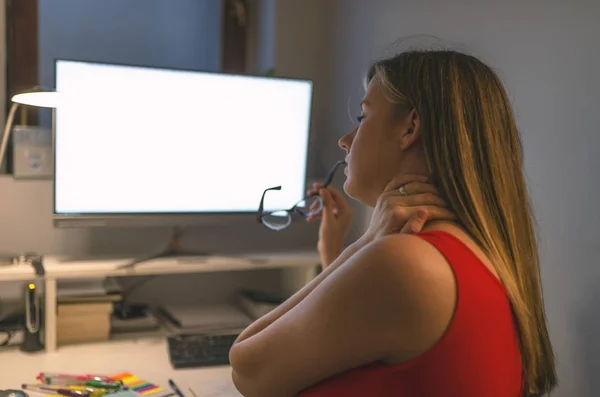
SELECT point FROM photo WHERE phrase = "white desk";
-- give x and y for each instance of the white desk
(145, 358)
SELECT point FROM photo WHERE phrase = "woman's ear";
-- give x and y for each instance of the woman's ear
(409, 129)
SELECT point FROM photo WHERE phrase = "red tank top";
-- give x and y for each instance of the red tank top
(478, 354)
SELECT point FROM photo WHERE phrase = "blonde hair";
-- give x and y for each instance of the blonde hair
(474, 153)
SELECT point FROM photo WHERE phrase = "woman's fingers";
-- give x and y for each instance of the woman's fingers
(315, 189)
(339, 200)
(403, 180)
(328, 213)
(415, 222)
(435, 213)
(416, 200)
(313, 218)
(418, 187)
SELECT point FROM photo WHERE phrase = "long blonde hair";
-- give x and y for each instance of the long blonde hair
(474, 154)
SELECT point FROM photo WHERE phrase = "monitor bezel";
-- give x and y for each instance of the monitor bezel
(154, 219)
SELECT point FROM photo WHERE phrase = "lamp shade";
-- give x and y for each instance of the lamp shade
(43, 99)
(38, 97)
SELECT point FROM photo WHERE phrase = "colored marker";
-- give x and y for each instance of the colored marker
(111, 386)
(59, 390)
(94, 392)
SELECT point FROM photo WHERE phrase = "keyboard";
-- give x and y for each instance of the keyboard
(200, 350)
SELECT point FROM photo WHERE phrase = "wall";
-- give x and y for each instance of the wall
(548, 56)
(261, 36)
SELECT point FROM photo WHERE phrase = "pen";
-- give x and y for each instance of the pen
(58, 390)
(175, 388)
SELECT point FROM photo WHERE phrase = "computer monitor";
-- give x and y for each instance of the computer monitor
(138, 145)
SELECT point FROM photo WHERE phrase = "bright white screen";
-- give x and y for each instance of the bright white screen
(142, 140)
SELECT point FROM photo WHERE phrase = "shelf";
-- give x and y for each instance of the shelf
(61, 267)
(21, 272)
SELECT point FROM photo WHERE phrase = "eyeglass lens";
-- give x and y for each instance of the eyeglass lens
(307, 207)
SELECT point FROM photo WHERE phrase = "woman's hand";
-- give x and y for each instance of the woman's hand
(336, 218)
(398, 213)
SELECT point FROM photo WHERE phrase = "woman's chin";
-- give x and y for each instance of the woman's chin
(346, 185)
(350, 189)
(356, 193)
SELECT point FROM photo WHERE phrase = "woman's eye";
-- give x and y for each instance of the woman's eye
(360, 118)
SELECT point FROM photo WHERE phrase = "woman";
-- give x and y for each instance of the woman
(453, 310)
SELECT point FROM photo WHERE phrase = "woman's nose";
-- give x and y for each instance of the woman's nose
(345, 141)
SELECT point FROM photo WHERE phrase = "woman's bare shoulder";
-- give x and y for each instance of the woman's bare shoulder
(422, 283)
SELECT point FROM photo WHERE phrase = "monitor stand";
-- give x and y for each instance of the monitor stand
(172, 250)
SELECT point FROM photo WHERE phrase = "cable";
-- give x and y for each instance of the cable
(136, 285)
(8, 337)
(7, 130)
(124, 310)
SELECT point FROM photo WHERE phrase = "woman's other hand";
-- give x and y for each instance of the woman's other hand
(336, 218)
(396, 212)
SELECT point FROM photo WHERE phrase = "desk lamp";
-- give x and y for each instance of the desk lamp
(38, 97)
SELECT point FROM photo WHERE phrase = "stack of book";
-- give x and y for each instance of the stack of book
(84, 310)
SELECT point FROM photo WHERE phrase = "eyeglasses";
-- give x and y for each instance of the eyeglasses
(309, 206)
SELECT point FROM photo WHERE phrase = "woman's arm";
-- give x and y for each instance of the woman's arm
(290, 303)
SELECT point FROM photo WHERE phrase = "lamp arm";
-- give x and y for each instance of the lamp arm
(7, 130)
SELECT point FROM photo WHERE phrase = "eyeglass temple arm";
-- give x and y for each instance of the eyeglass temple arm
(261, 206)
(331, 174)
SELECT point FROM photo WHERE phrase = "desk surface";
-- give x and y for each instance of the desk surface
(145, 358)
